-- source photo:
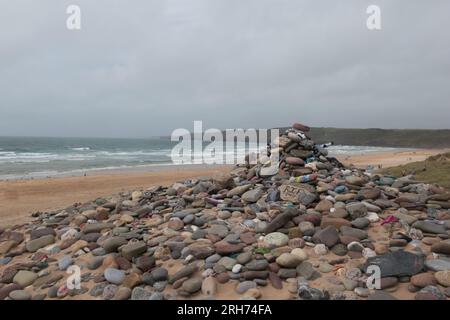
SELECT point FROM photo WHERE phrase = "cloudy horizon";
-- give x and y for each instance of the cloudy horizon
(145, 68)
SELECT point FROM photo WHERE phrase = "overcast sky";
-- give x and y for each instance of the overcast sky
(145, 67)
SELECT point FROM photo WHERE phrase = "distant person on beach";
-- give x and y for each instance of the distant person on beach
(329, 144)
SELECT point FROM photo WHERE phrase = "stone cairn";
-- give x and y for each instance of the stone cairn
(308, 228)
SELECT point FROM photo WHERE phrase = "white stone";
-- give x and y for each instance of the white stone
(320, 249)
(236, 268)
(367, 253)
(372, 217)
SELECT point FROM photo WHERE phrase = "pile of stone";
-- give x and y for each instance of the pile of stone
(304, 228)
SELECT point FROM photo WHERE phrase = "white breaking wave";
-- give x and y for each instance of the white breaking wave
(356, 150)
(81, 149)
(152, 155)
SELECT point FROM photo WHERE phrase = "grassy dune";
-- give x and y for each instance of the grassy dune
(435, 169)
(400, 138)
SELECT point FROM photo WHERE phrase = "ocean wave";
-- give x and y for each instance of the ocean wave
(81, 149)
(353, 150)
(54, 173)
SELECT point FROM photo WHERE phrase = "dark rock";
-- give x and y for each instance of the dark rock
(306, 270)
(184, 272)
(280, 220)
(37, 233)
(429, 227)
(328, 236)
(398, 263)
(441, 247)
(145, 263)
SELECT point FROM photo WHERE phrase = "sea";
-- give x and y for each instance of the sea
(39, 157)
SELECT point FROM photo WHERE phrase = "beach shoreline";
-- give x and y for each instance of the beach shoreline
(19, 198)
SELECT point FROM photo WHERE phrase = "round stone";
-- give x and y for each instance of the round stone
(20, 295)
(288, 260)
(109, 292)
(192, 285)
(443, 277)
(320, 249)
(114, 275)
(64, 262)
(423, 280)
(242, 287)
(300, 253)
(276, 239)
(236, 268)
(25, 278)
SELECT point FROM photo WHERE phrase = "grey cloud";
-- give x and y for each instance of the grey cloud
(144, 68)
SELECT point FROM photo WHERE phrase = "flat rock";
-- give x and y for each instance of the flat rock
(97, 227)
(20, 295)
(236, 191)
(257, 265)
(64, 262)
(361, 223)
(398, 263)
(276, 239)
(192, 285)
(298, 193)
(429, 227)
(224, 248)
(114, 275)
(380, 295)
(139, 293)
(132, 250)
(37, 233)
(112, 244)
(184, 272)
(160, 274)
(328, 236)
(252, 195)
(288, 260)
(305, 269)
(335, 222)
(242, 287)
(219, 230)
(4, 291)
(353, 232)
(279, 221)
(443, 278)
(356, 209)
(36, 244)
(437, 265)
(422, 280)
(25, 278)
(441, 247)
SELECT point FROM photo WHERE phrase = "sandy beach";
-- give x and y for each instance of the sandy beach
(389, 159)
(20, 198)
